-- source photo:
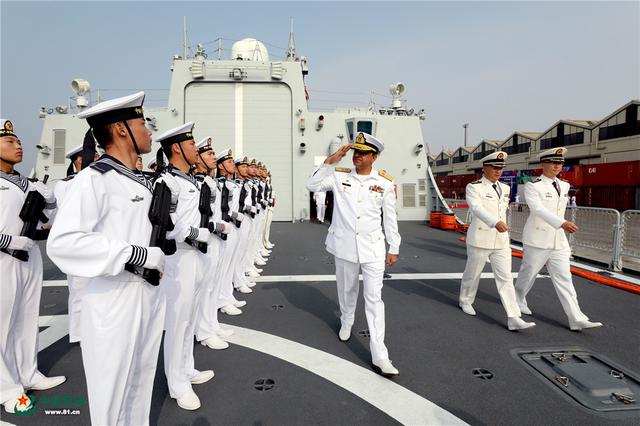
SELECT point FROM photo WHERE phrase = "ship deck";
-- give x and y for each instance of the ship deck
(288, 333)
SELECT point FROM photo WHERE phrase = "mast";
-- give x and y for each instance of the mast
(184, 37)
(291, 49)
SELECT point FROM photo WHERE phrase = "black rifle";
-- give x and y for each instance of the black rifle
(31, 213)
(253, 200)
(161, 224)
(204, 207)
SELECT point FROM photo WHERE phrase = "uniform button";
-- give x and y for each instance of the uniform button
(358, 217)
(357, 233)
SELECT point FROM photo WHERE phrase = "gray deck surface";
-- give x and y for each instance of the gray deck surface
(434, 345)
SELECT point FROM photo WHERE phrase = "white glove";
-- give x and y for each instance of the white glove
(172, 184)
(237, 216)
(45, 191)
(155, 259)
(203, 235)
(212, 183)
(226, 227)
(254, 210)
(20, 243)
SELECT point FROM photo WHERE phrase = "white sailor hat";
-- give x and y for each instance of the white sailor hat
(74, 151)
(253, 162)
(224, 155)
(496, 159)
(553, 155)
(114, 110)
(182, 133)
(205, 145)
(242, 160)
(6, 128)
(151, 164)
(366, 143)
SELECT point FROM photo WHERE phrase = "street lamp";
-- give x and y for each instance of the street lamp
(465, 125)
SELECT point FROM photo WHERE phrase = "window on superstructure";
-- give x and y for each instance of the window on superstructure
(59, 148)
(422, 185)
(365, 126)
(350, 130)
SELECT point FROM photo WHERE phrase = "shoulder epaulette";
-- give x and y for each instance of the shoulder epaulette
(536, 180)
(475, 182)
(343, 169)
(564, 180)
(385, 175)
(68, 178)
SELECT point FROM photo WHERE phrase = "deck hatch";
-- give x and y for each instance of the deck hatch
(587, 377)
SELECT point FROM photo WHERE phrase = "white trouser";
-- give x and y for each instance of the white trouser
(121, 331)
(257, 236)
(248, 255)
(348, 286)
(320, 209)
(77, 287)
(207, 323)
(559, 269)
(19, 305)
(501, 266)
(239, 279)
(182, 285)
(267, 228)
(226, 265)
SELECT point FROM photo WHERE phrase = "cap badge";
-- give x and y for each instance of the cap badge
(360, 139)
(559, 151)
(8, 125)
(501, 156)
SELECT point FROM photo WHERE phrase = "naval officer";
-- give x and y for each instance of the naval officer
(355, 237)
(544, 239)
(102, 232)
(488, 238)
(21, 281)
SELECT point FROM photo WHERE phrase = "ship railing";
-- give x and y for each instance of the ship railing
(597, 239)
(629, 241)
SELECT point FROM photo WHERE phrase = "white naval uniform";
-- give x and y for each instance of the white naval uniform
(244, 240)
(356, 240)
(20, 299)
(77, 285)
(320, 199)
(545, 242)
(182, 284)
(228, 253)
(269, 218)
(103, 215)
(207, 323)
(488, 206)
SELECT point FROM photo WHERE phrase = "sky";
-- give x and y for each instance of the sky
(499, 66)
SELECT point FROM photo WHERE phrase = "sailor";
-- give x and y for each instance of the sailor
(185, 277)
(230, 194)
(261, 252)
(355, 237)
(81, 156)
(272, 202)
(488, 238)
(152, 165)
(249, 258)
(21, 266)
(320, 200)
(240, 280)
(103, 232)
(544, 239)
(208, 331)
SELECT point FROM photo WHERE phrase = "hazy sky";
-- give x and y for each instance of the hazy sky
(500, 66)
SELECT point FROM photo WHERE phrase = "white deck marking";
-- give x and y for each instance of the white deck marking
(57, 328)
(320, 278)
(329, 278)
(396, 401)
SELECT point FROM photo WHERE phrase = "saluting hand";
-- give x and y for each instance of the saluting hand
(338, 155)
(391, 259)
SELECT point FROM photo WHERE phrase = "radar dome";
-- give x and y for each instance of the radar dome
(249, 49)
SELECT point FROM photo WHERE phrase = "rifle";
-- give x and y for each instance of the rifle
(204, 207)
(161, 224)
(31, 213)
